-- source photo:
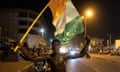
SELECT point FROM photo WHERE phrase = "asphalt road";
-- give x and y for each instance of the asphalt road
(97, 63)
(18, 66)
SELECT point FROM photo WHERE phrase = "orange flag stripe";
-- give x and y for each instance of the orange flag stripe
(57, 7)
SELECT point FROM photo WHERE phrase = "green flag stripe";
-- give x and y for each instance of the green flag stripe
(72, 28)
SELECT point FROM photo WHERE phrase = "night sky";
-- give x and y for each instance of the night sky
(106, 17)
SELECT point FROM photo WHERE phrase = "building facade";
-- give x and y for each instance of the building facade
(15, 22)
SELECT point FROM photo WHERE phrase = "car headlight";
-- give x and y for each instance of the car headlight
(62, 50)
(72, 52)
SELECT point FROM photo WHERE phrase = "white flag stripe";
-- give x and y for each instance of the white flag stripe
(71, 12)
(60, 23)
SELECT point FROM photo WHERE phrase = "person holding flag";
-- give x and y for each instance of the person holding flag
(64, 32)
(56, 61)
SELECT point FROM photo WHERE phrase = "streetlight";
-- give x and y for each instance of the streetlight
(42, 30)
(88, 13)
(51, 39)
(51, 42)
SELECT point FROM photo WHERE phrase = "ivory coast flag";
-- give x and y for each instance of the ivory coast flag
(67, 21)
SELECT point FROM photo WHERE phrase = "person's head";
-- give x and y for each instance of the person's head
(56, 44)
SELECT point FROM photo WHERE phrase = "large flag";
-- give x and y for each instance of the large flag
(68, 23)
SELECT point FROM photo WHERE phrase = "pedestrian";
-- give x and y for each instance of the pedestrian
(55, 60)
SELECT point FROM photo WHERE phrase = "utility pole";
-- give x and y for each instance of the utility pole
(0, 32)
(109, 40)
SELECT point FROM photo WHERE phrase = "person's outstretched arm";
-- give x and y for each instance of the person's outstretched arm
(27, 56)
(85, 48)
(83, 51)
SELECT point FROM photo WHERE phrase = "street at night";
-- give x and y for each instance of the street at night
(97, 63)
(58, 35)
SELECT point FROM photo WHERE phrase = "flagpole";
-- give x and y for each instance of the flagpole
(85, 22)
(28, 30)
